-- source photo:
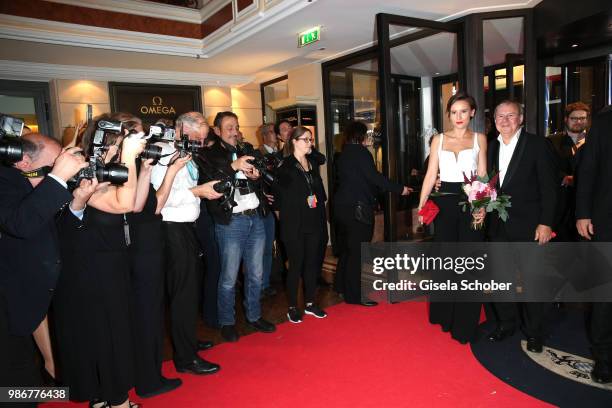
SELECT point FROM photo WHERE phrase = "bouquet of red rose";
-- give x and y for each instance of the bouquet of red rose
(481, 193)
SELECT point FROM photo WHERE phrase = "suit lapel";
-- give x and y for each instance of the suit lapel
(516, 157)
(494, 159)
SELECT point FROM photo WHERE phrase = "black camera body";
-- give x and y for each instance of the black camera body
(113, 172)
(186, 146)
(258, 161)
(11, 148)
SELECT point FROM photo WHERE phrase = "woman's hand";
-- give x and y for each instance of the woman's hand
(178, 162)
(479, 216)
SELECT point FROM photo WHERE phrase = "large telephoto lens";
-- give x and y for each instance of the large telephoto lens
(113, 172)
(11, 151)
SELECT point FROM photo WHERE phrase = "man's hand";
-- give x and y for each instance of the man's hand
(84, 191)
(270, 198)
(543, 234)
(407, 191)
(585, 228)
(68, 163)
(206, 191)
(568, 181)
(241, 164)
(253, 174)
(178, 162)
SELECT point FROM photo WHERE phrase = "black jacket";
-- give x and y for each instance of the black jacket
(29, 247)
(532, 181)
(593, 192)
(358, 179)
(290, 193)
(217, 160)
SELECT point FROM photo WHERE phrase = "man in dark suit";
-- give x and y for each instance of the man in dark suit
(528, 173)
(30, 197)
(593, 208)
(568, 145)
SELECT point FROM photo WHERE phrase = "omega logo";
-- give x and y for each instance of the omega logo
(157, 107)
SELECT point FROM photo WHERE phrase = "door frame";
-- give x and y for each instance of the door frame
(37, 90)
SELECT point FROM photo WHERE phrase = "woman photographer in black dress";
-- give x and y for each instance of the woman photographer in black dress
(358, 185)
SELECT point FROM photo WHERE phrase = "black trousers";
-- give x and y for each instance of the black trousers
(532, 315)
(599, 320)
(205, 228)
(17, 365)
(453, 225)
(350, 233)
(146, 297)
(304, 262)
(183, 278)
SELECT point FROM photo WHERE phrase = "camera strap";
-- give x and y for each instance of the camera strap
(311, 200)
(126, 230)
(39, 172)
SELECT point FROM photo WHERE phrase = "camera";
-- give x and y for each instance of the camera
(113, 172)
(11, 148)
(258, 161)
(162, 133)
(186, 146)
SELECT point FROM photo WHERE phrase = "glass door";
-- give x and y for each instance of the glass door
(28, 101)
(419, 51)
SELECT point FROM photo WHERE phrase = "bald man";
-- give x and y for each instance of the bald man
(32, 192)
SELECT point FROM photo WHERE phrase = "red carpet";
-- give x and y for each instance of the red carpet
(386, 356)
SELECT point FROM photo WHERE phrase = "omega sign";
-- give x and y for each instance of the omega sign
(157, 108)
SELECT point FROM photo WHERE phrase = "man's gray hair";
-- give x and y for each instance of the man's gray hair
(192, 120)
(518, 105)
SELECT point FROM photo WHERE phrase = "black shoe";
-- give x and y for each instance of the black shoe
(262, 326)
(229, 333)
(602, 372)
(168, 384)
(294, 315)
(204, 345)
(198, 366)
(500, 334)
(534, 345)
(313, 310)
(369, 303)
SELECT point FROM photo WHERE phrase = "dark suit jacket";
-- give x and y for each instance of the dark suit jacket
(593, 192)
(291, 191)
(532, 182)
(29, 247)
(358, 179)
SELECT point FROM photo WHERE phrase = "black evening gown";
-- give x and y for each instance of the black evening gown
(453, 225)
(92, 308)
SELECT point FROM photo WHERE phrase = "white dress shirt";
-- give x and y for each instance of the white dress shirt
(505, 154)
(182, 205)
(269, 149)
(247, 201)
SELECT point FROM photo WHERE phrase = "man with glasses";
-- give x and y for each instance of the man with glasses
(239, 229)
(567, 144)
(528, 173)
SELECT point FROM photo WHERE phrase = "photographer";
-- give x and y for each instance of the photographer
(239, 230)
(178, 200)
(30, 198)
(92, 296)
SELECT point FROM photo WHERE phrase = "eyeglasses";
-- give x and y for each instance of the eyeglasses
(306, 139)
(509, 116)
(579, 119)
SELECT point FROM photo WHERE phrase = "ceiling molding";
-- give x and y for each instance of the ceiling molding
(32, 71)
(141, 8)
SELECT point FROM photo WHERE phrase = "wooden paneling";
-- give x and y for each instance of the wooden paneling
(217, 20)
(242, 4)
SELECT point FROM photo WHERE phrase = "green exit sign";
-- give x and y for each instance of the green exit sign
(309, 37)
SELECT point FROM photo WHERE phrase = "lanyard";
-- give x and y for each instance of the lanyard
(306, 175)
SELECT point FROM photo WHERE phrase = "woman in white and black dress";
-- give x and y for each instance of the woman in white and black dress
(454, 153)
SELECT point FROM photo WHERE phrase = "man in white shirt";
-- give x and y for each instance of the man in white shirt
(178, 199)
(529, 175)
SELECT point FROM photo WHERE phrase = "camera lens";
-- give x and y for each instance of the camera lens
(151, 152)
(115, 173)
(11, 151)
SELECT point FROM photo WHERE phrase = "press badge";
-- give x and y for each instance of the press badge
(312, 201)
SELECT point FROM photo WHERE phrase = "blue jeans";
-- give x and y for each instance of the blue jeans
(267, 254)
(242, 239)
